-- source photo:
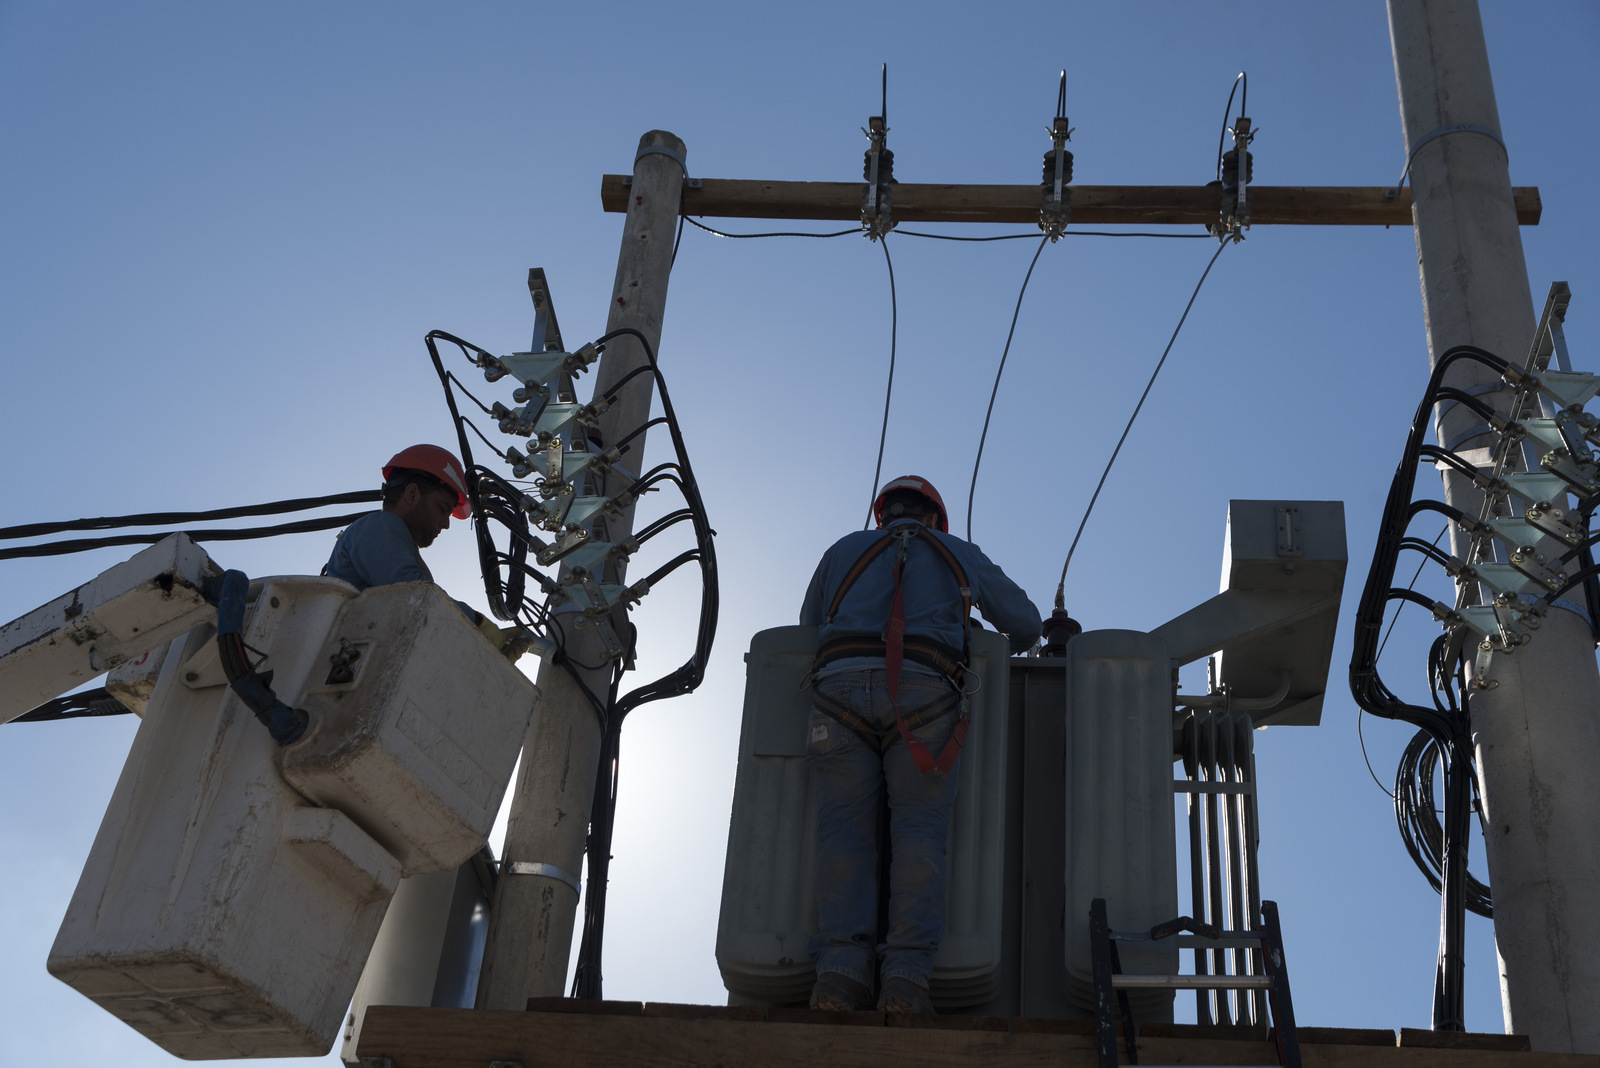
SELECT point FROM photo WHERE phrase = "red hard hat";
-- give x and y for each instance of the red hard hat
(442, 465)
(916, 484)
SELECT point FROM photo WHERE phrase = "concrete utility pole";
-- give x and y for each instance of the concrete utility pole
(1537, 736)
(536, 899)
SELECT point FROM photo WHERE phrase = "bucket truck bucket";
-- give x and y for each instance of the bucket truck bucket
(236, 887)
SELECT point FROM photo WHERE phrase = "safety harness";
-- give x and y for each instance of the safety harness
(895, 649)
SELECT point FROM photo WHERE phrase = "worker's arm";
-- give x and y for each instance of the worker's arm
(381, 553)
(812, 608)
(1003, 602)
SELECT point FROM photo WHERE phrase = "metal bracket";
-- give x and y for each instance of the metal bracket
(549, 871)
(546, 333)
(1460, 127)
(676, 157)
(1291, 542)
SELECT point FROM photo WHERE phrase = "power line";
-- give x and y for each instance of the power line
(1062, 586)
(973, 488)
(781, 233)
(165, 519)
(888, 392)
(1064, 233)
(79, 545)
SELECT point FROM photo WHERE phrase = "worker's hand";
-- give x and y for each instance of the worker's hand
(495, 633)
(520, 640)
(514, 641)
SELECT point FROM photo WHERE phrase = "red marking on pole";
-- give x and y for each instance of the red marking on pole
(621, 301)
(638, 200)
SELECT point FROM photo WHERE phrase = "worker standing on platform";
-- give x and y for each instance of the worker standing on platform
(424, 486)
(892, 610)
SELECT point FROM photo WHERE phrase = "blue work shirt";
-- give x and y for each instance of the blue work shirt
(932, 597)
(378, 550)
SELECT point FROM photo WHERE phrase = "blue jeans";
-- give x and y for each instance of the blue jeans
(848, 778)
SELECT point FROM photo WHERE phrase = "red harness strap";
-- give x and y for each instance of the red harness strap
(894, 639)
(894, 642)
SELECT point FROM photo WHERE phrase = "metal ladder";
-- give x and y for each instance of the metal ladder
(1110, 981)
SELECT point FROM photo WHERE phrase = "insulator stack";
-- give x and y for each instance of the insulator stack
(1230, 169)
(1050, 169)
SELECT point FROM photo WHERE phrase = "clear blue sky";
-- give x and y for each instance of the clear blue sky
(225, 229)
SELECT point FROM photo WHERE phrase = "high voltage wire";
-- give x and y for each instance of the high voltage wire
(877, 473)
(888, 392)
(1062, 586)
(972, 489)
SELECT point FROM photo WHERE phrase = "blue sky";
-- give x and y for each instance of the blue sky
(225, 229)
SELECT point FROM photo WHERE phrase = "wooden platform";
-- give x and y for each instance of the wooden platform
(615, 1034)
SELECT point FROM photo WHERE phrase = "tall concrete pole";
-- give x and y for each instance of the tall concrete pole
(1536, 736)
(536, 898)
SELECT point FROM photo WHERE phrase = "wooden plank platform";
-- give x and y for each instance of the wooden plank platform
(1092, 205)
(634, 1035)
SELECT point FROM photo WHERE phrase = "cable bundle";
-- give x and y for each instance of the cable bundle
(1519, 586)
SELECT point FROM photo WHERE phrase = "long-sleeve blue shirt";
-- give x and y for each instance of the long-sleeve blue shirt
(377, 550)
(932, 597)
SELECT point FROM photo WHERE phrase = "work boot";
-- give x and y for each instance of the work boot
(840, 993)
(901, 995)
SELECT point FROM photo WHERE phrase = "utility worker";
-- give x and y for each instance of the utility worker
(889, 715)
(423, 488)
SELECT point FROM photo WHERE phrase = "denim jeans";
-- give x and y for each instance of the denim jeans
(848, 779)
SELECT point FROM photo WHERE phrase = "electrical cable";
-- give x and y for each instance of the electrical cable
(676, 241)
(97, 702)
(784, 233)
(1437, 848)
(955, 237)
(894, 330)
(1360, 712)
(163, 519)
(79, 545)
(1066, 233)
(972, 489)
(1228, 110)
(1061, 588)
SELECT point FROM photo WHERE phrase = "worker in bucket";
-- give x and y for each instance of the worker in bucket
(889, 690)
(424, 486)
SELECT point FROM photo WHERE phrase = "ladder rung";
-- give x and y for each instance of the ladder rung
(1191, 982)
(1189, 941)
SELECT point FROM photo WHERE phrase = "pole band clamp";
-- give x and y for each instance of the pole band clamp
(1460, 127)
(549, 871)
(676, 157)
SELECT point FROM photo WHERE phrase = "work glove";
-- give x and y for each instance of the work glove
(513, 641)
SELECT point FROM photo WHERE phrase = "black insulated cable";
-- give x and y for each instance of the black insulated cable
(165, 519)
(80, 545)
(888, 390)
(972, 488)
(1061, 587)
(96, 702)
(1240, 81)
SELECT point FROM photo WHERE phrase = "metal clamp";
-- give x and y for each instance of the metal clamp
(549, 871)
(676, 157)
(1460, 127)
